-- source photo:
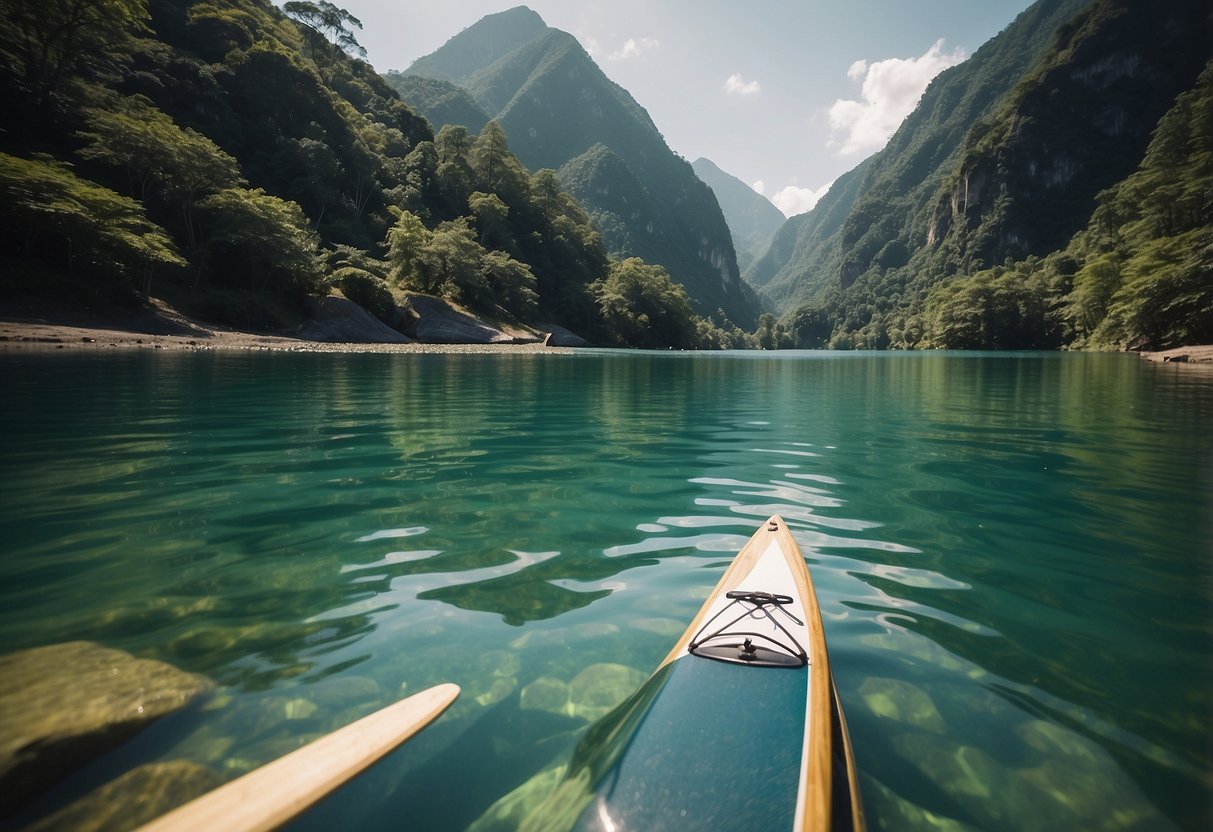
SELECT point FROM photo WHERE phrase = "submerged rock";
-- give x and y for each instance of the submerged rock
(590, 696)
(62, 705)
(547, 694)
(902, 702)
(968, 775)
(895, 812)
(507, 813)
(600, 687)
(137, 797)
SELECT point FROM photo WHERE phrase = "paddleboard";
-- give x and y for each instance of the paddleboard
(739, 727)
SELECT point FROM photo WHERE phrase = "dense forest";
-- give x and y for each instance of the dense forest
(241, 158)
(1069, 206)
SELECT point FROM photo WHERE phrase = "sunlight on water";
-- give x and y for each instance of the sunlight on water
(1012, 555)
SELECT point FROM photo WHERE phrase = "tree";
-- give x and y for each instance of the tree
(131, 134)
(260, 238)
(406, 241)
(80, 222)
(512, 283)
(491, 214)
(451, 261)
(46, 42)
(454, 173)
(328, 22)
(642, 307)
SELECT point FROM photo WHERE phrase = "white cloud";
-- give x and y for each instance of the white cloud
(891, 90)
(759, 186)
(633, 48)
(794, 200)
(735, 86)
(590, 44)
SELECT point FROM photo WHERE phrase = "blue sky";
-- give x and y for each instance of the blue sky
(783, 94)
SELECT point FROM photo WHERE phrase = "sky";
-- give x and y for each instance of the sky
(786, 95)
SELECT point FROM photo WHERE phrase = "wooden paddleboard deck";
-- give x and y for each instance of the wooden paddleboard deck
(739, 727)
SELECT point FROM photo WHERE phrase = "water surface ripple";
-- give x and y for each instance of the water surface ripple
(1012, 554)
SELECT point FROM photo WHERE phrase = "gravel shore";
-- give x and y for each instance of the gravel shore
(43, 326)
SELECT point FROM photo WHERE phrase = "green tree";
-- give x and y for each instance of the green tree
(328, 22)
(54, 215)
(491, 214)
(1094, 285)
(454, 173)
(512, 283)
(451, 260)
(259, 239)
(406, 241)
(131, 134)
(45, 43)
(642, 307)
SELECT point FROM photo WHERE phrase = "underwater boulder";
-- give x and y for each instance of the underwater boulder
(64, 704)
(137, 797)
(595, 691)
(902, 702)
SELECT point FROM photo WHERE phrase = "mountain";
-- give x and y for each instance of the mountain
(441, 102)
(961, 231)
(751, 217)
(560, 111)
(902, 179)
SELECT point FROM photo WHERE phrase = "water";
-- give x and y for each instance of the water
(1012, 552)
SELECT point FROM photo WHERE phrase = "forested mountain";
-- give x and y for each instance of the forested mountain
(561, 112)
(1056, 110)
(751, 217)
(904, 177)
(441, 102)
(245, 159)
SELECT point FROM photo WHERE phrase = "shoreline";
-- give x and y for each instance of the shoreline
(167, 330)
(19, 337)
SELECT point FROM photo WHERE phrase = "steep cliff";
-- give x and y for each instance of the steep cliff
(889, 197)
(1076, 125)
(751, 217)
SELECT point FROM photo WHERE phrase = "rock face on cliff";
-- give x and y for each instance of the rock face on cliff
(752, 219)
(561, 112)
(888, 196)
(1079, 123)
(62, 705)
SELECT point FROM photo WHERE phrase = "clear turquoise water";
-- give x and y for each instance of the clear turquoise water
(1013, 553)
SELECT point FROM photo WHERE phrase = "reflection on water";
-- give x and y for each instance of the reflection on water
(1012, 553)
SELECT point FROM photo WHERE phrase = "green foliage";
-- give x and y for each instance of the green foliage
(512, 283)
(328, 21)
(406, 241)
(258, 240)
(642, 307)
(365, 289)
(44, 45)
(51, 214)
(995, 309)
(1166, 298)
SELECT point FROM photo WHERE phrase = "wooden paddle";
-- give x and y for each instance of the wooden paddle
(273, 794)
